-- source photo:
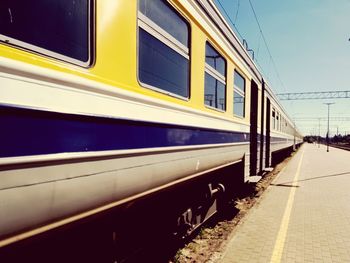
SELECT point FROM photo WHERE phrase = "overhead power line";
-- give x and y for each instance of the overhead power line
(342, 94)
(308, 119)
(266, 45)
(244, 41)
(236, 16)
(229, 18)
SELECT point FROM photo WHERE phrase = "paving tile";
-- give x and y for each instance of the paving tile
(318, 228)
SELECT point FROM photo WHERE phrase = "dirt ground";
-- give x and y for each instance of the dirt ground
(211, 241)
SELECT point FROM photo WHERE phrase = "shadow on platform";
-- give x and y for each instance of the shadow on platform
(290, 184)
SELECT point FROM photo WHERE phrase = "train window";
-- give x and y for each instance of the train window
(238, 95)
(273, 119)
(59, 29)
(163, 48)
(166, 17)
(215, 60)
(215, 80)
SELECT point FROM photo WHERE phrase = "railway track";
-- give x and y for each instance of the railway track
(341, 146)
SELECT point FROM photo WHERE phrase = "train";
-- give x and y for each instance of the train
(103, 103)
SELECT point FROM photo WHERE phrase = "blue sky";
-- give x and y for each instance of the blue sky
(309, 43)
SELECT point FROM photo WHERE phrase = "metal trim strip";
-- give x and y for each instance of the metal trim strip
(33, 132)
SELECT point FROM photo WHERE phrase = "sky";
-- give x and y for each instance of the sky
(310, 48)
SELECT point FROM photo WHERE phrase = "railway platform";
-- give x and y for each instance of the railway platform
(304, 216)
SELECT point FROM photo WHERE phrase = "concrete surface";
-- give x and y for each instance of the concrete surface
(304, 216)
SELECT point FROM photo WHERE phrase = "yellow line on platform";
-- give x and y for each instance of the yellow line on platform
(282, 234)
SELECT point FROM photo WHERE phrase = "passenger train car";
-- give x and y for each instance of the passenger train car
(105, 102)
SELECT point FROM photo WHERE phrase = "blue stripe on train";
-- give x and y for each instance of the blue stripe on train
(30, 132)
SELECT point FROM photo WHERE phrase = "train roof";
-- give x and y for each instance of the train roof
(211, 10)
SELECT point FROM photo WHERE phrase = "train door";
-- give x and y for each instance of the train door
(253, 128)
(268, 138)
(262, 131)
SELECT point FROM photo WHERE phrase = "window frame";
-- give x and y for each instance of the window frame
(167, 39)
(277, 121)
(30, 48)
(273, 117)
(216, 75)
(240, 92)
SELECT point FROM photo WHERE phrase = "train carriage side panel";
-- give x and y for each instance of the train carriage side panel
(99, 127)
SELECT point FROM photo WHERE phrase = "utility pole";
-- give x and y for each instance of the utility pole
(327, 138)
